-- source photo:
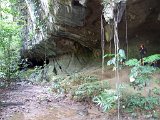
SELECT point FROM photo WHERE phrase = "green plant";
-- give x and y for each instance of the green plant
(141, 74)
(10, 42)
(89, 90)
(132, 62)
(137, 102)
(81, 87)
(57, 88)
(77, 79)
(30, 73)
(109, 55)
(156, 91)
(106, 99)
(152, 58)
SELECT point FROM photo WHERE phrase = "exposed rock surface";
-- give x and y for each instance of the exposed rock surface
(143, 26)
(59, 27)
(142, 13)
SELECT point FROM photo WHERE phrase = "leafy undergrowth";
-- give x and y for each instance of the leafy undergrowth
(90, 88)
(143, 79)
(144, 98)
(80, 87)
(87, 91)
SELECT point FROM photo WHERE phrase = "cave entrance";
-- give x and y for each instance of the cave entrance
(31, 63)
(76, 3)
(37, 62)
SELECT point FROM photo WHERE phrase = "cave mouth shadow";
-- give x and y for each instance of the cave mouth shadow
(76, 3)
(32, 63)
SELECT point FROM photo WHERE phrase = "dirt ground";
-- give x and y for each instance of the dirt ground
(34, 102)
(26, 101)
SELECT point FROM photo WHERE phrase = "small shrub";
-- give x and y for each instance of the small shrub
(141, 74)
(57, 88)
(137, 102)
(76, 80)
(89, 90)
(152, 58)
(80, 87)
(156, 91)
(106, 99)
(132, 62)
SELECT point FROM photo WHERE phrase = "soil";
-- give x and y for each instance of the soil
(27, 101)
(34, 102)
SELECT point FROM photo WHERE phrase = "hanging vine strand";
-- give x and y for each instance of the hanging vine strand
(102, 44)
(113, 11)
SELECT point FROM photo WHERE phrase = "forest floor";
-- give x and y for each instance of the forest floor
(34, 102)
(26, 101)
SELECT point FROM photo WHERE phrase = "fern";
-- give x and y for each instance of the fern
(89, 90)
(156, 91)
(152, 58)
(77, 80)
(106, 99)
(137, 101)
(142, 74)
(132, 62)
(108, 55)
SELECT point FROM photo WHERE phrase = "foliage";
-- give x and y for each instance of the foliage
(77, 80)
(137, 102)
(152, 58)
(142, 74)
(109, 55)
(156, 91)
(106, 99)
(30, 73)
(9, 41)
(87, 91)
(56, 87)
(81, 87)
(132, 62)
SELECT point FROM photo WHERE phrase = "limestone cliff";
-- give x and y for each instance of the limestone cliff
(60, 27)
(56, 28)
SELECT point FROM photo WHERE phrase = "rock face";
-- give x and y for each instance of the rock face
(143, 26)
(64, 27)
(140, 12)
(60, 27)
